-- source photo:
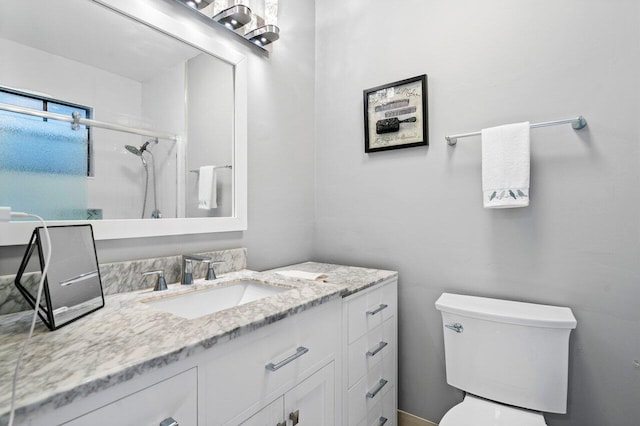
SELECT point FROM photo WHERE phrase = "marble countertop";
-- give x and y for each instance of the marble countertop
(110, 345)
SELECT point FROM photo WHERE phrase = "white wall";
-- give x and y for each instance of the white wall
(419, 210)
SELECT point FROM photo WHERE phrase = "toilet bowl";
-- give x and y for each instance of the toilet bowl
(474, 411)
(511, 359)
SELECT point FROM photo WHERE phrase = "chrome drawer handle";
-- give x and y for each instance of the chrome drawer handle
(378, 309)
(299, 352)
(381, 346)
(382, 421)
(457, 327)
(372, 394)
(169, 421)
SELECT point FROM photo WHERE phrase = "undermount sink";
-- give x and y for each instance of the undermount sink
(203, 302)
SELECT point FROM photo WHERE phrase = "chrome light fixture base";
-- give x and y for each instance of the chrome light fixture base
(263, 36)
(234, 17)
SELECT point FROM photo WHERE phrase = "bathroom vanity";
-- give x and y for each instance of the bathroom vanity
(319, 352)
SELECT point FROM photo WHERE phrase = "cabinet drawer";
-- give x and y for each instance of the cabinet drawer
(293, 348)
(370, 349)
(368, 392)
(367, 311)
(175, 397)
(383, 412)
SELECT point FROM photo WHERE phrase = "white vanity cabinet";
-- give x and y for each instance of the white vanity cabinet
(370, 366)
(327, 365)
(289, 366)
(278, 360)
(174, 398)
(311, 403)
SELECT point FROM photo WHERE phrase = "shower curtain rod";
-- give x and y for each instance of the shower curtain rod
(76, 120)
(577, 124)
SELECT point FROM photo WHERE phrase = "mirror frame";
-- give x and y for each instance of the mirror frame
(174, 20)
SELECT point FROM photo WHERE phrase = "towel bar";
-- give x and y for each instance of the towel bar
(577, 124)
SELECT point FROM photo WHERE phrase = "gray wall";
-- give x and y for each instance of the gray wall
(281, 158)
(419, 210)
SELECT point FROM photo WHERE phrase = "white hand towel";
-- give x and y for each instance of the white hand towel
(505, 166)
(207, 192)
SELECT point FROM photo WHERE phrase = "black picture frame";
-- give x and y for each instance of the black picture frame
(396, 116)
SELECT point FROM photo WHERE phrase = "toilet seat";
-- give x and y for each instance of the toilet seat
(474, 411)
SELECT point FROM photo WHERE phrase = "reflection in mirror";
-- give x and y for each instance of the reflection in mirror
(72, 286)
(79, 56)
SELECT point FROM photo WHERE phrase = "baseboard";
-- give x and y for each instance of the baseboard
(406, 419)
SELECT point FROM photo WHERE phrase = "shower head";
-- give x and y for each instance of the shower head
(138, 151)
(132, 149)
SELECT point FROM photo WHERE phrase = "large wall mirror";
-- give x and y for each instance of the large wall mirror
(157, 142)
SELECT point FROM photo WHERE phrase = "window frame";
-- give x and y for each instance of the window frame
(45, 102)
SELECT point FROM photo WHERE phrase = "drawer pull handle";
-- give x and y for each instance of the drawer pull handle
(382, 421)
(372, 394)
(378, 309)
(381, 346)
(169, 421)
(282, 424)
(299, 352)
(295, 417)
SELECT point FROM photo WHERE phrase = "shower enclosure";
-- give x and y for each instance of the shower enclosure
(155, 214)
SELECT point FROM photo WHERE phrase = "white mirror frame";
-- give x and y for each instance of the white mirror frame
(174, 20)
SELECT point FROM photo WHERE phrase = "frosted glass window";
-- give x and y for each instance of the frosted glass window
(44, 164)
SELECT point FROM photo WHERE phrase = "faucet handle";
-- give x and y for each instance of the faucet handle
(187, 271)
(161, 284)
(211, 273)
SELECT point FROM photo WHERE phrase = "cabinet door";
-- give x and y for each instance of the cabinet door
(175, 397)
(271, 415)
(311, 403)
(295, 347)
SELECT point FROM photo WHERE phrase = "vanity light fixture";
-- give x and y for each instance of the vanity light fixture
(254, 20)
(263, 28)
(264, 35)
(234, 17)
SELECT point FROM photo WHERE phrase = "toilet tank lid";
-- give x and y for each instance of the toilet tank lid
(507, 311)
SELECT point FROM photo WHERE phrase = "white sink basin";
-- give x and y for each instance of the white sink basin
(203, 302)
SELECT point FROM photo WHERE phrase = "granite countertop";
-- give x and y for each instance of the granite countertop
(110, 345)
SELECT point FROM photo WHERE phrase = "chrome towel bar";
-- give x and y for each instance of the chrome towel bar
(577, 124)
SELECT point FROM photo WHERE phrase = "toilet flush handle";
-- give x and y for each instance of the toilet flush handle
(457, 327)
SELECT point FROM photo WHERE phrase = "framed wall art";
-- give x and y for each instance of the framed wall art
(395, 115)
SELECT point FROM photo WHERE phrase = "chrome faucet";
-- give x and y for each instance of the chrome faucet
(161, 284)
(187, 267)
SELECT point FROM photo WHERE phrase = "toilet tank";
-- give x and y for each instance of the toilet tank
(511, 352)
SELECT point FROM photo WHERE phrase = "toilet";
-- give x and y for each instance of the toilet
(511, 359)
